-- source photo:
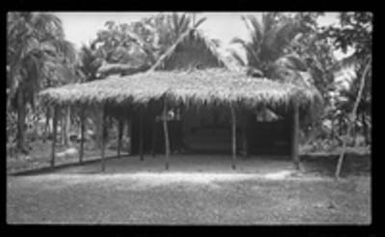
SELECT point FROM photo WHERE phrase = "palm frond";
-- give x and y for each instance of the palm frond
(237, 58)
(293, 62)
(250, 51)
(199, 22)
(347, 62)
(255, 29)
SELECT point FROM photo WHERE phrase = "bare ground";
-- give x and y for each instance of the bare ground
(196, 190)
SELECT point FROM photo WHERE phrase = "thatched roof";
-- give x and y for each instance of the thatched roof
(192, 71)
(192, 50)
(197, 86)
(121, 69)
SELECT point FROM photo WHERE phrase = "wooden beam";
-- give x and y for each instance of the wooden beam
(54, 134)
(141, 134)
(120, 135)
(166, 137)
(233, 137)
(102, 133)
(295, 136)
(82, 125)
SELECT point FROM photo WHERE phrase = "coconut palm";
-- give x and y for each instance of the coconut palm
(33, 40)
(266, 52)
(131, 48)
(167, 29)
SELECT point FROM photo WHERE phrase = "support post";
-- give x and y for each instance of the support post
(295, 137)
(102, 132)
(82, 125)
(234, 137)
(120, 134)
(153, 140)
(245, 145)
(55, 115)
(141, 134)
(129, 132)
(166, 137)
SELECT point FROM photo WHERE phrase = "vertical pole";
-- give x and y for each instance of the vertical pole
(67, 140)
(141, 133)
(165, 129)
(234, 137)
(245, 145)
(153, 137)
(120, 134)
(82, 124)
(129, 132)
(55, 115)
(365, 128)
(102, 132)
(295, 133)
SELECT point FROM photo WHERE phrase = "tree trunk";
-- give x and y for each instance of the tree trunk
(295, 137)
(141, 134)
(21, 113)
(365, 128)
(234, 137)
(54, 135)
(332, 128)
(352, 119)
(166, 137)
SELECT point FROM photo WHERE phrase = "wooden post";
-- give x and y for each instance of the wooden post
(120, 134)
(82, 124)
(165, 129)
(233, 136)
(141, 134)
(129, 132)
(153, 137)
(295, 136)
(67, 126)
(102, 132)
(55, 115)
(245, 145)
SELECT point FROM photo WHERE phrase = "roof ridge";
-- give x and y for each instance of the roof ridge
(208, 43)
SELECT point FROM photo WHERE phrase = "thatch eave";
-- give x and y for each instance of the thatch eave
(213, 86)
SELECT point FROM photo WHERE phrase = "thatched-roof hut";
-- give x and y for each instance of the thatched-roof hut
(192, 73)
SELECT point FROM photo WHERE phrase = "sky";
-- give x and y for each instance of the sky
(81, 27)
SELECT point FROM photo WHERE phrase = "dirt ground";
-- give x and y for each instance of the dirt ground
(195, 190)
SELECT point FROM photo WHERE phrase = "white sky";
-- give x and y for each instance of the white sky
(81, 27)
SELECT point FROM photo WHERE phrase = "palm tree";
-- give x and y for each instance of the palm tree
(169, 27)
(89, 63)
(33, 40)
(266, 52)
(140, 43)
